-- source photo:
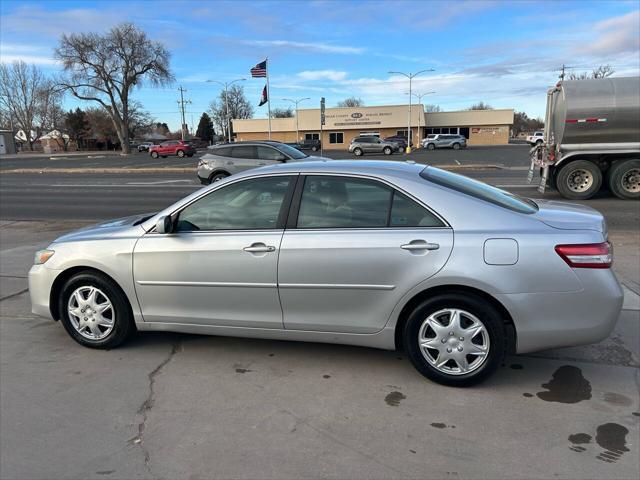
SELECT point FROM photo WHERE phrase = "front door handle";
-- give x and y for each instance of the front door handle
(259, 248)
(420, 245)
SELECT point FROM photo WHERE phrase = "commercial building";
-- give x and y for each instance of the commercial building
(481, 127)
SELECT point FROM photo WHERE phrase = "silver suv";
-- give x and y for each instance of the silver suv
(361, 145)
(444, 141)
(223, 160)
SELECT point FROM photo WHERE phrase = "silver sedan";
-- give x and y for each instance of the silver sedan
(379, 254)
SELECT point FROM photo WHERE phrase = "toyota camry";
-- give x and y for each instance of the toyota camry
(379, 254)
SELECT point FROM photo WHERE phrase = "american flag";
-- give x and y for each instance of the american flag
(260, 70)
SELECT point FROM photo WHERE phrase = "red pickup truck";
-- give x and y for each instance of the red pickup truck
(172, 147)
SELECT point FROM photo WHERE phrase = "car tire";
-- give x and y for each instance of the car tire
(314, 149)
(154, 155)
(84, 330)
(579, 180)
(216, 177)
(357, 152)
(456, 146)
(623, 179)
(429, 339)
(431, 146)
(387, 150)
(180, 153)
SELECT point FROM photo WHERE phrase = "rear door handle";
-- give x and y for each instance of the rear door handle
(259, 248)
(415, 245)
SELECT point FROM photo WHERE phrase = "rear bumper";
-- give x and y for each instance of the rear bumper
(552, 320)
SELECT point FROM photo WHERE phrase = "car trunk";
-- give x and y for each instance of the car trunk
(570, 216)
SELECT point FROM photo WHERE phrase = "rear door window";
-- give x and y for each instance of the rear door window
(407, 213)
(244, 151)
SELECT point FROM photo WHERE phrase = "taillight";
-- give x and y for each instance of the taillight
(588, 255)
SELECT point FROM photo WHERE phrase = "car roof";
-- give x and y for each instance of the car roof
(250, 142)
(362, 167)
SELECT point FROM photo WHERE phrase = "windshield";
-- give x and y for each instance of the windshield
(480, 190)
(291, 151)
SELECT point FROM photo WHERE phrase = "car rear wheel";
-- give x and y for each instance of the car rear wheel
(624, 179)
(579, 180)
(154, 154)
(357, 152)
(431, 146)
(94, 311)
(455, 339)
(387, 151)
(456, 146)
(216, 177)
(180, 153)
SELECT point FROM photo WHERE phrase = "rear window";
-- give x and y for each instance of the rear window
(480, 190)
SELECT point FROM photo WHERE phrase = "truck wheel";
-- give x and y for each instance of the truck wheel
(624, 179)
(579, 180)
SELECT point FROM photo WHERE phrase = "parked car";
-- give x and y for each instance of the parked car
(438, 140)
(536, 139)
(348, 252)
(144, 146)
(220, 161)
(400, 140)
(361, 145)
(307, 144)
(180, 148)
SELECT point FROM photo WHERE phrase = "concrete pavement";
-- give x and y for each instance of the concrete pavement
(181, 406)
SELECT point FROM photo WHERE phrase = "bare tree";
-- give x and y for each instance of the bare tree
(603, 71)
(105, 68)
(351, 102)
(239, 107)
(140, 121)
(480, 106)
(430, 108)
(282, 112)
(28, 98)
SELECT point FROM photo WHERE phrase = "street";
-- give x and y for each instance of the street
(172, 405)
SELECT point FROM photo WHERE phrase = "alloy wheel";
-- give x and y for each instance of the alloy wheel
(91, 313)
(454, 341)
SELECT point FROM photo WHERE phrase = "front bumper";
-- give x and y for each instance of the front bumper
(568, 319)
(41, 280)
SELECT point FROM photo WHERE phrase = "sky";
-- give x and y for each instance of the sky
(503, 53)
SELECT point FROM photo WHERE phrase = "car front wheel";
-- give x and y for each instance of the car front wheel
(431, 146)
(154, 154)
(216, 177)
(94, 311)
(387, 151)
(357, 152)
(455, 339)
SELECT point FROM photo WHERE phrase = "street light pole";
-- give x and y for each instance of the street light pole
(296, 102)
(410, 77)
(226, 86)
(419, 97)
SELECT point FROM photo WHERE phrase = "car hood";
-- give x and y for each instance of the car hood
(106, 229)
(570, 216)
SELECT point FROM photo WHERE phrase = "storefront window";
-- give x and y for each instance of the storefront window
(312, 136)
(337, 137)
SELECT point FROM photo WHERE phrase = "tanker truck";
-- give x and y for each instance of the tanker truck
(591, 139)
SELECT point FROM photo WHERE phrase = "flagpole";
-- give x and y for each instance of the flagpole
(268, 97)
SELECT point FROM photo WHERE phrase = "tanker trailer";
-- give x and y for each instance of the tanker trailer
(591, 138)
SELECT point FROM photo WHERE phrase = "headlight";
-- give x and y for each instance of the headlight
(42, 256)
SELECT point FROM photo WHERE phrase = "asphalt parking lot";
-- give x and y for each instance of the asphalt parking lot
(184, 406)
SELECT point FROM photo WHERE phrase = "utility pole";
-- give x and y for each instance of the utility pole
(296, 102)
(410, 76)
(226, 101)
(419, 97)
(182, 101)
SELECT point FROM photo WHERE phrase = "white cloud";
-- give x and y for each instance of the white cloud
(312, 47)
(36, 59)
(11, 52)
(615, 35)
(333, 75)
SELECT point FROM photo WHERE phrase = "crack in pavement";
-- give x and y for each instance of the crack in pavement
(147, 405)
(14, 294)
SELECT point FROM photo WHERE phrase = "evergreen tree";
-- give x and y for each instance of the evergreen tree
(205, 130)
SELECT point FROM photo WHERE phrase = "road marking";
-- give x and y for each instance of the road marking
(457, 161)
(159, 182)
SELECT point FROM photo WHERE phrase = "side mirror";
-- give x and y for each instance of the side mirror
(164, 224)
